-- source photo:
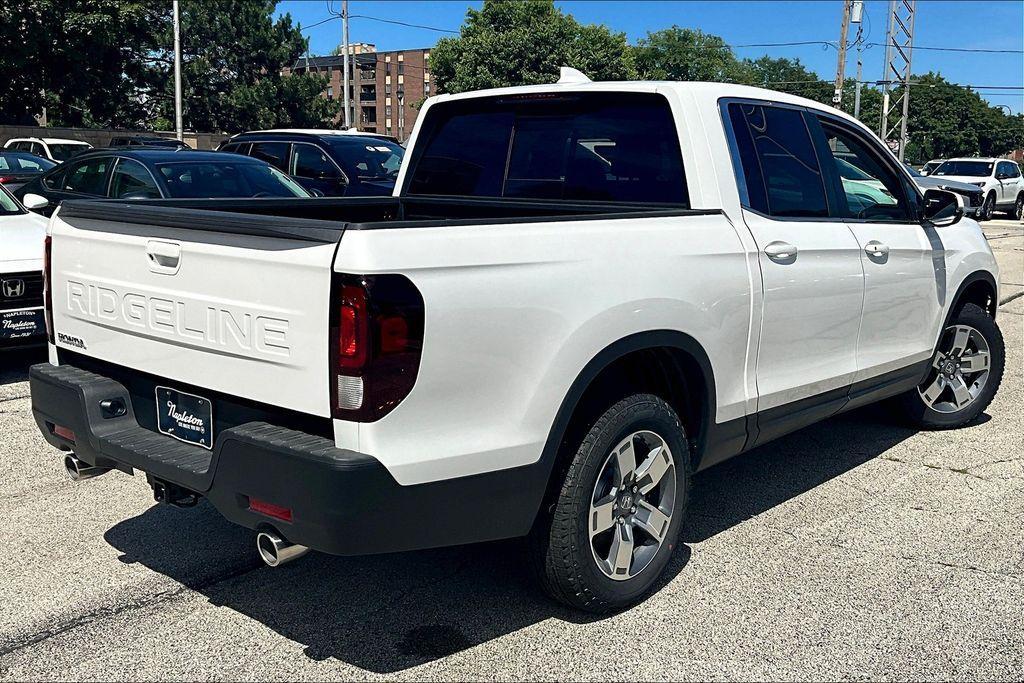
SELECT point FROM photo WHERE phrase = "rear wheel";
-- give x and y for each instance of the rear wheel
(1017, 213)
(617, 516)
(965, 373)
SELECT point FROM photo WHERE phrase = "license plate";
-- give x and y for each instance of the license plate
(22, 324)
(186, 417)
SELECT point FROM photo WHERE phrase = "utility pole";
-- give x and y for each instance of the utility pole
(899, 47)
(346, 62)
(857, 18)
(837, 96)
(177, 72)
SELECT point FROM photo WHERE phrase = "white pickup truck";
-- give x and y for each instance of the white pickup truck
(579, 295)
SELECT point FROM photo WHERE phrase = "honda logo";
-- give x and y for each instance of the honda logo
(13, 288)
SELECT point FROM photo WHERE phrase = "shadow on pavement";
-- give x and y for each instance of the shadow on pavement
(390, 612)
(14, 364)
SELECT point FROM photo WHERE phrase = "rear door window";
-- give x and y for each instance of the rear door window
(777, 161)
(131, 180)
(609, 147)
(88, 177)
(274, 153)
(309, 161)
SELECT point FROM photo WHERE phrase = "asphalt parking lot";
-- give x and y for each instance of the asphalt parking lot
(853, 549)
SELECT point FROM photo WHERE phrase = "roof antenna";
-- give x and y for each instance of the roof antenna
(567, 74)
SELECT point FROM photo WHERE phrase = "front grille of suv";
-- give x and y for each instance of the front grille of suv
(20, 290)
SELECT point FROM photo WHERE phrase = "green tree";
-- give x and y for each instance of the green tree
(683, 54)
(788, 76)
(511, 42)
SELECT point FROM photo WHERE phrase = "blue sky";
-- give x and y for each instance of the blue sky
(987, 24)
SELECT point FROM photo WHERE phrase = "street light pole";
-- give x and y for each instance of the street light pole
(346, 62)
(177, 72)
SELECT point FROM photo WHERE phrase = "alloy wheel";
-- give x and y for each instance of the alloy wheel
(1018, 208)
(632, 505)
(959, 371)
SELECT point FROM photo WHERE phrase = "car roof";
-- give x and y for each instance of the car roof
(298, 134)
(50, 141)
(987, 160)
(158, 155)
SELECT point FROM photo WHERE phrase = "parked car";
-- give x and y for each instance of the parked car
(541, 334)
(21, 275)
(999, 179)
(54, 149)
(329, 162)
(17, 168)
(972, 195)
(147, 141)
(930, 166)
(155, 173)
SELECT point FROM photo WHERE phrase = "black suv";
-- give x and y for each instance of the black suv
(147, 141)
(331, 163)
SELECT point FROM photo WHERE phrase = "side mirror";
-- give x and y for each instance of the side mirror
(35, 202)
(942, 208)
(1002, 176)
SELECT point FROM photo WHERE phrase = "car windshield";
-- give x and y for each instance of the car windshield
(914, 172)
(372, 158)
(224, 179)
(977, 169)
(8, 205)
(23, 162)
(63, 151)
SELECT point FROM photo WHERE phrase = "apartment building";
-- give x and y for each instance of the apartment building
(385, 87)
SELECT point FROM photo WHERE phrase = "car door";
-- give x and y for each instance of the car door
(903, 261)
(1007, 182)
(131, 180)
(813, 281)
(83, 179)
(315, 170)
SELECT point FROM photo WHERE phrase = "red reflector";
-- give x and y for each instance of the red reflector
(64, 433)
(270, 510)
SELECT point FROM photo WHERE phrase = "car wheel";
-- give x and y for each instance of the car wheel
(989, 205)
(965, 373)
(1018, 208)
(613, 527)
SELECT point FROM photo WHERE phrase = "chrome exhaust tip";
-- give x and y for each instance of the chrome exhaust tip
(275, 551)
(80, 471)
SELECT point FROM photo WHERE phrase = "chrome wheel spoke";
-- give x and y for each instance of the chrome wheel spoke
(620, 556)
(653, 469)
(975, 362)
(602, 515)
(961, 394)
(934, 390)
(652, 520)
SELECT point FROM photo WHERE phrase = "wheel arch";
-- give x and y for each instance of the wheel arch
(977, 288)
(674, 355)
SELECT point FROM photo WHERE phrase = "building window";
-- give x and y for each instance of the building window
(387, 110)
(401, 68)
(330, 93)
(387, 88)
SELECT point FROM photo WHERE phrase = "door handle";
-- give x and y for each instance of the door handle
(876, 249)
(164, 257)
(780, 251)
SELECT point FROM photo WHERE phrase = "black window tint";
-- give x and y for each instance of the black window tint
(274, 153)
(591, 147)
(88, 177)
(465, 156)
(309, 161)
(871, 188)
(131, 180)
(55, 181)
(778, 162)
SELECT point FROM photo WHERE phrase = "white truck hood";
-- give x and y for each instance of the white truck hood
(969, 179)
(21, 242)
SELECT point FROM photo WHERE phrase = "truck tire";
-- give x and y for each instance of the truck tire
(614, 524)
(964, 376)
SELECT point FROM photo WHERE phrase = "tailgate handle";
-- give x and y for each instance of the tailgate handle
(164, 257)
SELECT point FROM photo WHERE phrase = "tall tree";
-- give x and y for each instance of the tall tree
(683, 54)
(512, 42)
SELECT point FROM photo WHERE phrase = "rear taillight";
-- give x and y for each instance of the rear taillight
(6, 179)
(48, 287)
(376, 341)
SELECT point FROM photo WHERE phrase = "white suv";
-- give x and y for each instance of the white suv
(55, 149)
(999, 179)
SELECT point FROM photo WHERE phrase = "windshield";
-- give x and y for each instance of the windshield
(372, 159)
(23, 162)
(914, 172)
(8, 205)
(931, 166)
(224, 179)
(977, 169)
(64, 151)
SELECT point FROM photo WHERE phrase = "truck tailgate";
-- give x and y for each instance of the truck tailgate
(234, 303)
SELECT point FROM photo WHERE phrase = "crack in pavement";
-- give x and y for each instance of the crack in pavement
(105, 612)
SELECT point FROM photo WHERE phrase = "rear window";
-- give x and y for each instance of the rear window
(195, 180)
(21, 162)
(618, 147)
(62, 151)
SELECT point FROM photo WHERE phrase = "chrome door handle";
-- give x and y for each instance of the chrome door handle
(780, 251)
(876, 248)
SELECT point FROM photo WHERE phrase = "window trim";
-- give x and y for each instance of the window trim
(291, 162)
(113, 170)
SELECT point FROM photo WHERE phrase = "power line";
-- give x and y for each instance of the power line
(402, 23)
(954, 49)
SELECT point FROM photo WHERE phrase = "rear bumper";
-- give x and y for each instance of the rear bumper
(342, 502)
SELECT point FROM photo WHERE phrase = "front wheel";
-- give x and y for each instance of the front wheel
(987, 208)
(616, 519)
(965, 373)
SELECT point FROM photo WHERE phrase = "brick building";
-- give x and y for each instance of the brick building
(385, 87)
